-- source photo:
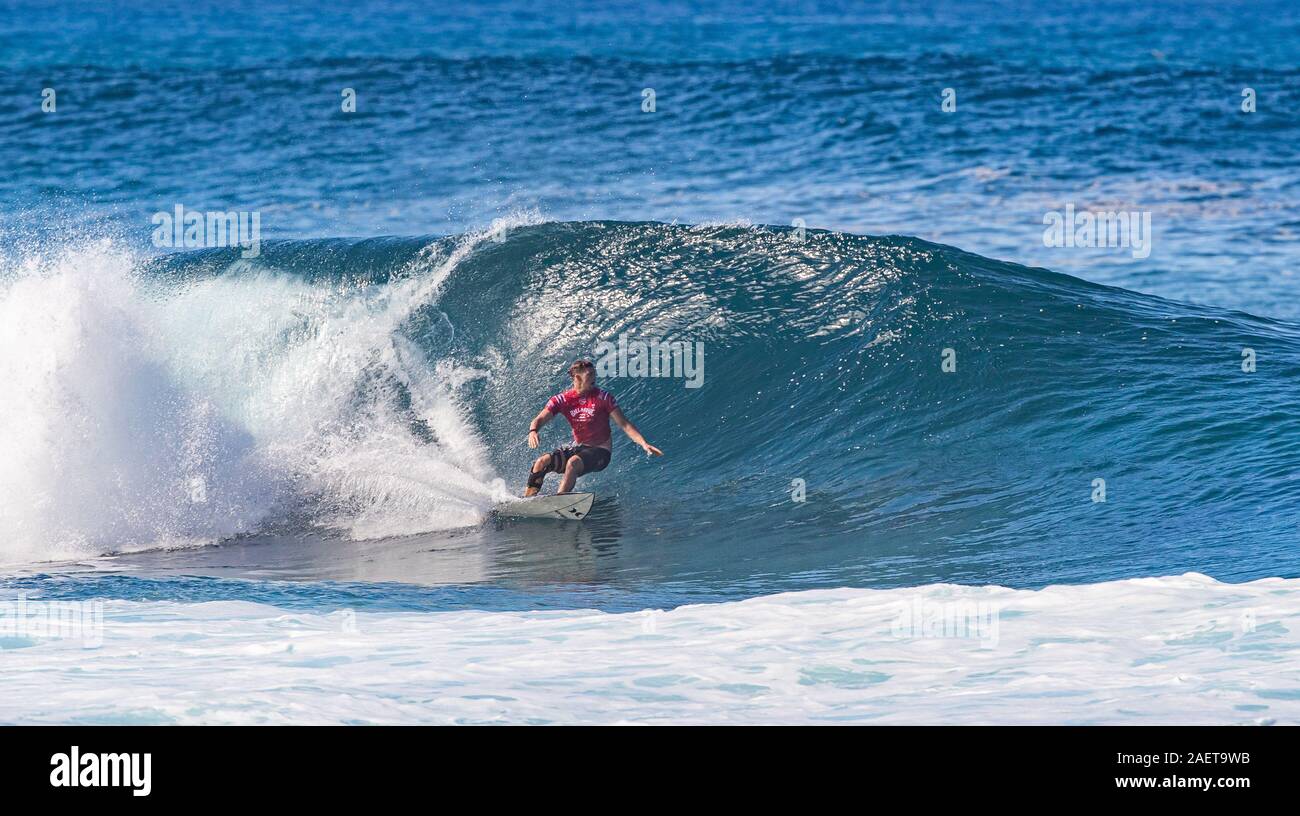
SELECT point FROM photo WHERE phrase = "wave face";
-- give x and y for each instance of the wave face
(378, 388)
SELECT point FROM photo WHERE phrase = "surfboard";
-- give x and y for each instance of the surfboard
(562, 506)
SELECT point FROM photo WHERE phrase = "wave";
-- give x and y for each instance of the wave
(922, 398)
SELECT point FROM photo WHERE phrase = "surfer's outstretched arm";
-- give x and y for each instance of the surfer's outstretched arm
(632, 433)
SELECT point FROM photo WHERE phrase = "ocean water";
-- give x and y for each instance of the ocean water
(931, 468)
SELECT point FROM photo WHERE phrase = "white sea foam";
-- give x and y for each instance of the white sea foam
(136, 415)
(101, 444)
(1162, 650)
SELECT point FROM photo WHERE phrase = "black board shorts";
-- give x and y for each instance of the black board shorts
(593, 458)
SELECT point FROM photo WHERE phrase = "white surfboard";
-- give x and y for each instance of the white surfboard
(561, 506)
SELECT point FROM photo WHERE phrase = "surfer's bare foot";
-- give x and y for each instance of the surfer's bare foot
(531, 491)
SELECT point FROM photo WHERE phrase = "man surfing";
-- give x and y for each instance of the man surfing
(589, 410)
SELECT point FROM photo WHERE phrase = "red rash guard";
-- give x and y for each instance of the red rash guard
(588, 414)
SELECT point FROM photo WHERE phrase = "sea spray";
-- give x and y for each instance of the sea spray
(141, 412)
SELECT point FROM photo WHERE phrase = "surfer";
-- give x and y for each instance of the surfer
(589, 410)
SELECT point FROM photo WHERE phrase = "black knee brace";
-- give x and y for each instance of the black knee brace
(535, 478)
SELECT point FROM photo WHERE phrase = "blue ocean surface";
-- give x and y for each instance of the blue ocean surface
(838, 209)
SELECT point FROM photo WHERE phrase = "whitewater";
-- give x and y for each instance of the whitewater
(1181, 649)
(144, 419)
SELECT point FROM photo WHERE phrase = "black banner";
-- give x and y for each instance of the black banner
(195, 765)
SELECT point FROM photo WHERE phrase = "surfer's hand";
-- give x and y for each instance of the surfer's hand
(651, 449)
(532, 439)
